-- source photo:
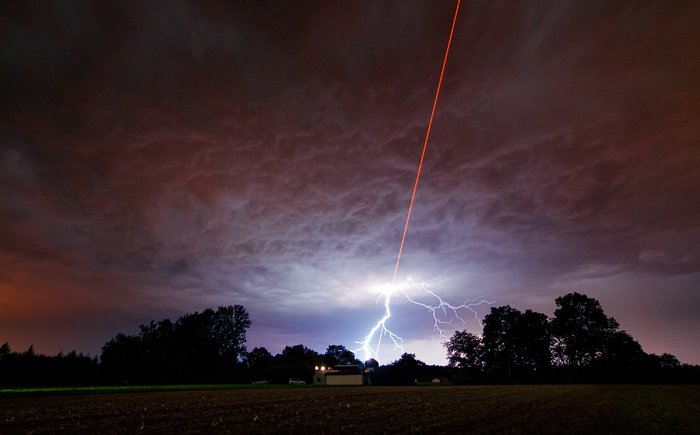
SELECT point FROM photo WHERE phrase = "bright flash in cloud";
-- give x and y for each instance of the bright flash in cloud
(420, 294)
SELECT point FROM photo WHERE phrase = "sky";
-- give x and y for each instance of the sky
(158, 158)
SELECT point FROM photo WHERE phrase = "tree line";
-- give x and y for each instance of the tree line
(18, 369)
(202, 347)
(580, 343)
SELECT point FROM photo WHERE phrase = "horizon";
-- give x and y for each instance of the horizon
(433, 345)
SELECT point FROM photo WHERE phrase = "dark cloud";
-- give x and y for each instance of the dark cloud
(161, 158)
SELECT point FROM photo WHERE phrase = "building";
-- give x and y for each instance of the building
(340, 375)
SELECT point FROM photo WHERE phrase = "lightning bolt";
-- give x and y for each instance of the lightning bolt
(380, 326)
(413, 291)
(443, 309)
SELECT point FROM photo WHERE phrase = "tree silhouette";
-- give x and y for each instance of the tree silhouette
(668, 361)
(533, 340)
(210, 347)
(121, 359)
(516, 344)
(5, 350)
(372, 363)
(337, 354)
(258, 358)
(404, 371)
(30, 351)
(580, 329)
(300, 355)
(464, 350)
(295, 361)
(197, 347)
(408, 361)
(621, 348)
(499, 339)
(228, 329)
(31, 369)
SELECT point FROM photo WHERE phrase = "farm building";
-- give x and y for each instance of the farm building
(340, 375)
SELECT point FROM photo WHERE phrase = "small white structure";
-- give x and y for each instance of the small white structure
(339, 375)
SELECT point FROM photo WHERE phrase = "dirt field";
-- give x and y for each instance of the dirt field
(489, 409)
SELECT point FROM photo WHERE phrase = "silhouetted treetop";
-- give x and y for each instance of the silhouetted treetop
(258, 357)
(300, 355)
(515, 342)
(581, 329)
(337, 354)
(464, 350)
(200, 346)
(408, 361)
(579, 344)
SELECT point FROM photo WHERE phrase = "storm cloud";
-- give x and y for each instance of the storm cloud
(160, 158)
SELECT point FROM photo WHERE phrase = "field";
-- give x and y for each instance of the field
(308, 409)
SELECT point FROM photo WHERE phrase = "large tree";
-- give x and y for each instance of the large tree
(581, 330)
(464, 350)
(621, 349)
(299, 355)
(228, 329)
(534, 341)
(515, 342)
(197, 347)
(337, 354)
(500, 350)
(371, 364)
(404, 371)
(258, 357)
(408, 361)
(123, 359)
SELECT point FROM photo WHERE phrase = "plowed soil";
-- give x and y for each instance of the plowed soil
(487, 409)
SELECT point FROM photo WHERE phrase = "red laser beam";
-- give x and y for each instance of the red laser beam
(420, 164)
